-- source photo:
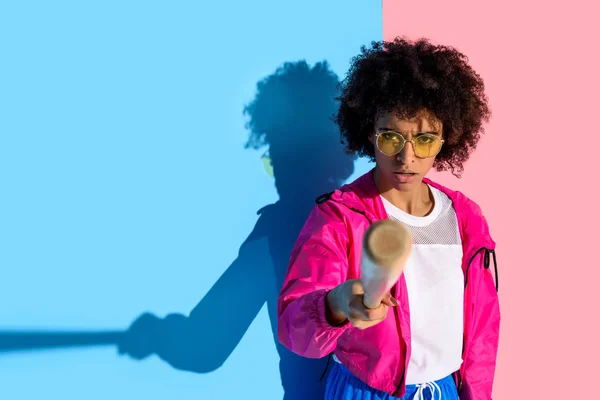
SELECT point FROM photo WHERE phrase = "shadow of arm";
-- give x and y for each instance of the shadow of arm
(203, 341)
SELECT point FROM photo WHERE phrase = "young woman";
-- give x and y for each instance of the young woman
(409, 106)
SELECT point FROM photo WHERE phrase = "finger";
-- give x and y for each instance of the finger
(368, 314)
(379, 313)
(357, 287)
(389, 300)
(370, 306)
(362, 325)
(357, 307)
(358, 315)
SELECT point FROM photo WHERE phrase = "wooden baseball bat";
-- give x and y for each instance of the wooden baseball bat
(386, 247)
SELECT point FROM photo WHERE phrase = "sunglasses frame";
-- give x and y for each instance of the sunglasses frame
(412, 141)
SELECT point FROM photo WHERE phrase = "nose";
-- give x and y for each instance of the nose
(407, 154)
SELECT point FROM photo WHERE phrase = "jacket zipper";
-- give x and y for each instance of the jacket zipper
(465, 341)
(486, 265)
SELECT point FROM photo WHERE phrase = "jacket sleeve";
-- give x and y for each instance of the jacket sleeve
(318, 263)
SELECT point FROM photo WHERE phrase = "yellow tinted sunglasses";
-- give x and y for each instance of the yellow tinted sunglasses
(425, 144)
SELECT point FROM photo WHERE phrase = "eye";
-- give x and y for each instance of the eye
(389, 136)
(427, 139)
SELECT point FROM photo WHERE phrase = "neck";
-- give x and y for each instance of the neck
(414, 199)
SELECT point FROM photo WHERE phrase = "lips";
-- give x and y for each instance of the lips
(405, 176)
(405, 173)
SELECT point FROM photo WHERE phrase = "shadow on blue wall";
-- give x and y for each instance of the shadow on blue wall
(290, 116)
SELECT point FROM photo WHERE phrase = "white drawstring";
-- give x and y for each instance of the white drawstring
(433, 388)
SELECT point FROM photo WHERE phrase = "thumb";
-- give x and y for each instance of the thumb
(389, 300)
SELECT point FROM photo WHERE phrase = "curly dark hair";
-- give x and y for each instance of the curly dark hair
(407, 77)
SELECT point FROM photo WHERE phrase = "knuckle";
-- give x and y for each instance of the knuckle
(357, 286)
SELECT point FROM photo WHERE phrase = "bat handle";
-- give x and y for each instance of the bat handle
(377, 282)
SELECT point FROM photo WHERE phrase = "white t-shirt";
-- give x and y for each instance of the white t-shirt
(435, 285)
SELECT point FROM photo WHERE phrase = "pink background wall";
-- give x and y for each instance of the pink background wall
(534, 175)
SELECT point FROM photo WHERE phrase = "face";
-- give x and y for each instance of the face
(405, 170)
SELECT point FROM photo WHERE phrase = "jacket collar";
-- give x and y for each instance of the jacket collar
(363, 196)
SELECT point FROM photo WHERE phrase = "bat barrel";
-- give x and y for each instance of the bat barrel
(386, 246)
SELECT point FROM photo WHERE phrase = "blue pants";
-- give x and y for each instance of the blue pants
(343, 385)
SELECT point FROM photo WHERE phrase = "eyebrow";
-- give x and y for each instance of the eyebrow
(386, 129)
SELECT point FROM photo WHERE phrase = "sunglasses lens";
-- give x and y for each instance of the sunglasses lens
(390, 143)
(427, 146)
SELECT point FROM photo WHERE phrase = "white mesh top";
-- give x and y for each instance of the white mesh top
(434, 281)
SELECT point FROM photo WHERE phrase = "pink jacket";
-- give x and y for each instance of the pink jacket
(327, 253)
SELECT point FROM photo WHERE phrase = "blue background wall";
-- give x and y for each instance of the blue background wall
(127, 187)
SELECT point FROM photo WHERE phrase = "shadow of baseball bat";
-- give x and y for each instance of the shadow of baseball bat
(14, 341)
